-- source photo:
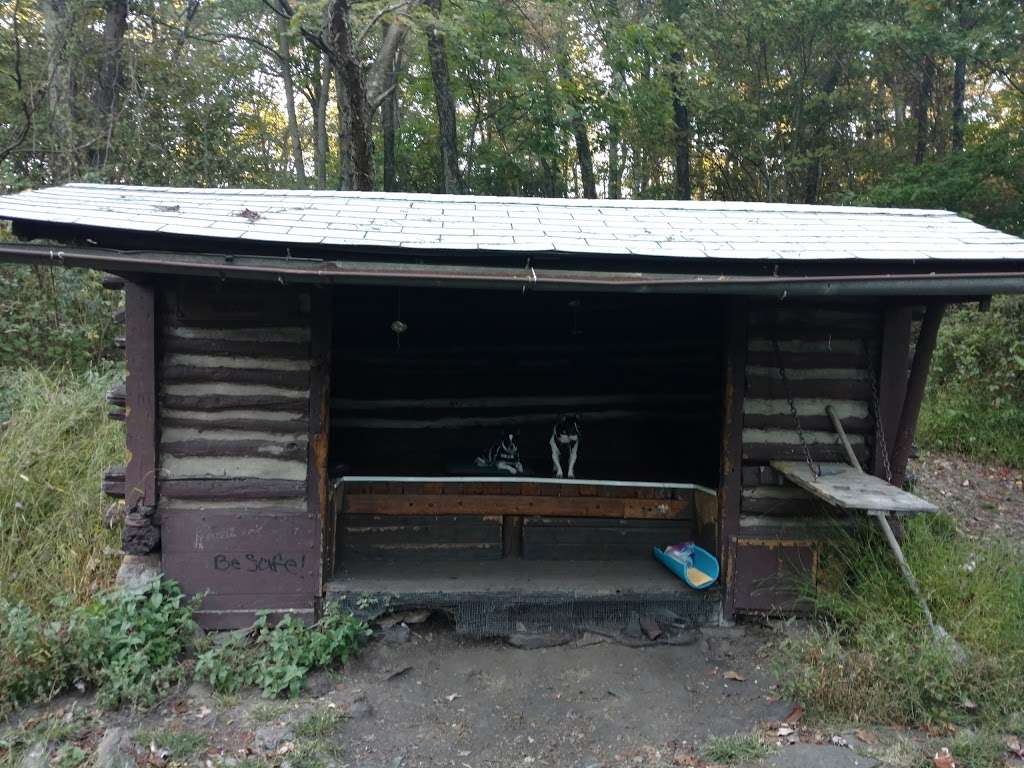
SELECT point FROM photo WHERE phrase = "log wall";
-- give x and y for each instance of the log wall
(234, 481)
(831, 354)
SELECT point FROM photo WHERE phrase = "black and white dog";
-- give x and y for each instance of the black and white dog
(503, 456)
(567, 436)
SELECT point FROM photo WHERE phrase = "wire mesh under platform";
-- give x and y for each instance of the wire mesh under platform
(505, 597)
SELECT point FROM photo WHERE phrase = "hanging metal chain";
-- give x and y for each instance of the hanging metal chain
(811, 464)
(876, 408)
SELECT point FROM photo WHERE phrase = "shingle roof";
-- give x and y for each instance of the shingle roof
(370, 220)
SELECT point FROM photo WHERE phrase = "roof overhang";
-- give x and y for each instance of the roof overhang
(838, 280)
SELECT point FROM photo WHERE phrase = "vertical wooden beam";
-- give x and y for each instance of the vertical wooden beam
(915, 390)
(892, 383)
(730, 486)
(140, 395)
(317, 494)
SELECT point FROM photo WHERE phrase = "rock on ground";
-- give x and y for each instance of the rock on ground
(817, 756)
(114, 750)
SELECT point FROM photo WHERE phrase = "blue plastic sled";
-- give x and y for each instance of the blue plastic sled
(701, 574)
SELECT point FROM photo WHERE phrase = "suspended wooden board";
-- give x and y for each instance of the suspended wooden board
(848, 488)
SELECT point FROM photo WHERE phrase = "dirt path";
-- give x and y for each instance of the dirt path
(986, 499)
(486, 704)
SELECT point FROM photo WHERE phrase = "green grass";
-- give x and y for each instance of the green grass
(183, 745)
(967, 419)
(55, 440)
(871, 657)
(319, 725)
(737, 748)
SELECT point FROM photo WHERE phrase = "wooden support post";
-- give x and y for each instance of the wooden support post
(317, 495)
(915, 390)
(892, 385)
(512, 536)
(140, 395)
(730, 487)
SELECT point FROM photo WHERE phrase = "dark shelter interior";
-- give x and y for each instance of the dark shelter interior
(426, 380)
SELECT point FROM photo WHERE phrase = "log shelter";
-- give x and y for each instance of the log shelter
(311, 377)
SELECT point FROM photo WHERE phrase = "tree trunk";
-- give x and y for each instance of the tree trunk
(614, 172)
(323, 79)
(110, 75)
(959, 115)
(345, 172)
(356, 135)
(389, 125)
(444, 102)
(584, 156)
(821, 121)
(59, 93)
(921, 106)
(285, 60)
(681, 123)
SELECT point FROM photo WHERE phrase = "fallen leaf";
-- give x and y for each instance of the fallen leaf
(452, 697)
(794, 715)
(943, 759)
(866, 736)
(734, 675)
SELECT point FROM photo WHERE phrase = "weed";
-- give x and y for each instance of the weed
(737, 748)
(69, 756)
(979, 749)
(183, 745)
(278, 658)
(872, 656)
(265, 713)
(55, 440)
(125, 644)
(320, 724)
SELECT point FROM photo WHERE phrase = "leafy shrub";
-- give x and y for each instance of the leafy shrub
(277, 658)
(873, 657)
(127, 645)
(55, 317)
(975, 399)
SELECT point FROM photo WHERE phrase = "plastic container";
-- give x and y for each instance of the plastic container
(694, 565)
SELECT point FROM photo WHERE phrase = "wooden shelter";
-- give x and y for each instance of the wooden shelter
(312, 374)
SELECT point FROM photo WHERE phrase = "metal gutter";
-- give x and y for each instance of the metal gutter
(286, 271)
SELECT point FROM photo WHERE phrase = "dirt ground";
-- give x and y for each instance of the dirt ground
(436, 700)
(986, 499)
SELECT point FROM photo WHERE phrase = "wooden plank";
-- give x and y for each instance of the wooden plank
(140, 395)
(799, 360)
(173, 374)
(112, 481)
(233, 348)
(233, 489)
(819, 451)
(285, 426)
(294, 450)
(512, 535)
(847, 488)
(598, 539)
(734, 355)
(892, 384)
(842, 389)
(297, 405)
(774, 500)
(317, 493)
(530, 506)
(853, 425)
